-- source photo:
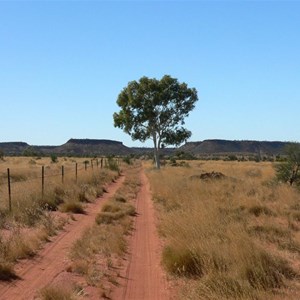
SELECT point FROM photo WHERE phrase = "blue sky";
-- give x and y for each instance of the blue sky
(63, 64)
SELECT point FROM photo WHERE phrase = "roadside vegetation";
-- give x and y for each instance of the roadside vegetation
(235, 236)
(98, 253)
(36, 216)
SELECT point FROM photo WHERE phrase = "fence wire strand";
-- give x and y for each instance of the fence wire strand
(11, 187)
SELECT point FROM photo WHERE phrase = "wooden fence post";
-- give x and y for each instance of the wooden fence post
(62, 174)
(43, 180)
(76, 172)
(9, 190)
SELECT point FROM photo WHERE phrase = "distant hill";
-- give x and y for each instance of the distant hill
(224, 147)
(13, 148)
(101, 147)
(76, 147)
(92, 147)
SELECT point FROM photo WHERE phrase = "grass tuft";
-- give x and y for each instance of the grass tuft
(258, 210)
(7, 273)
(74, 207)
(268, 272)
(56, 293)
(182, 262)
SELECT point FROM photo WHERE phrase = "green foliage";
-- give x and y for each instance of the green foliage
(155, 109)
(53, 158)
(288, 171)
(112, 164)
(127, 160)
(29, 151)
(232, 157)
(184, 155)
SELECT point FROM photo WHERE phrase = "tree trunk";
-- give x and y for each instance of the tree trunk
(156, 158)
(156, 153)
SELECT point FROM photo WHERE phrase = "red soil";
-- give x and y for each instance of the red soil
(52, 261)
(143, 277)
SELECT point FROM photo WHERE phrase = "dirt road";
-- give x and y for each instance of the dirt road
(52, 259)
(143, 277)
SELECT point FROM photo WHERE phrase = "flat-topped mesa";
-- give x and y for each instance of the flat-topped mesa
(18, 144)
(92, 147)
(93, 142)
(13, 148)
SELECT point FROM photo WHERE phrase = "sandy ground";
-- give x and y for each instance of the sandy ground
(52, 261)
(143, 277)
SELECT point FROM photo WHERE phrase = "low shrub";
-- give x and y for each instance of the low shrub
(182, 262)
(258, 210)
(6, 272)
(112, 212)
(56, 293)
(74, 207)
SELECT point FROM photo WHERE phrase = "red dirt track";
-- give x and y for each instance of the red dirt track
(143, 277)
(52, 259)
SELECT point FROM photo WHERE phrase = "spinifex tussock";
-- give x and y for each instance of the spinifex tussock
(221, 236)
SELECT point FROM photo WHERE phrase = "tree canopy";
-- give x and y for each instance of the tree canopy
(289, 171)
(156, 109)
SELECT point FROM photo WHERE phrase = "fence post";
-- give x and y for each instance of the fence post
(9, 189)
(76, 172)
(62, 174)
(101, 162)
(92, 164)
(85, 164)
(43, 180)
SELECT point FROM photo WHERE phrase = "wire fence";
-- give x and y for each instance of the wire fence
(44, 178)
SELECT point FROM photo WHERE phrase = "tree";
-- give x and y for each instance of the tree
(155, 109)
(1, 155)
(288, 171)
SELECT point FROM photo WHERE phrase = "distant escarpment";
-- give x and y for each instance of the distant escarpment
(73, 147)
(223, 147)
(13, 148)
(92, 147)
(102, 147)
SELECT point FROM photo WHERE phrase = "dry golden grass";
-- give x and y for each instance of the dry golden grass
(57, 293)
(32, 218)
(98, 252)
(233, 238)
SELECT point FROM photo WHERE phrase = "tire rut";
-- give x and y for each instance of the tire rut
(52, 260)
